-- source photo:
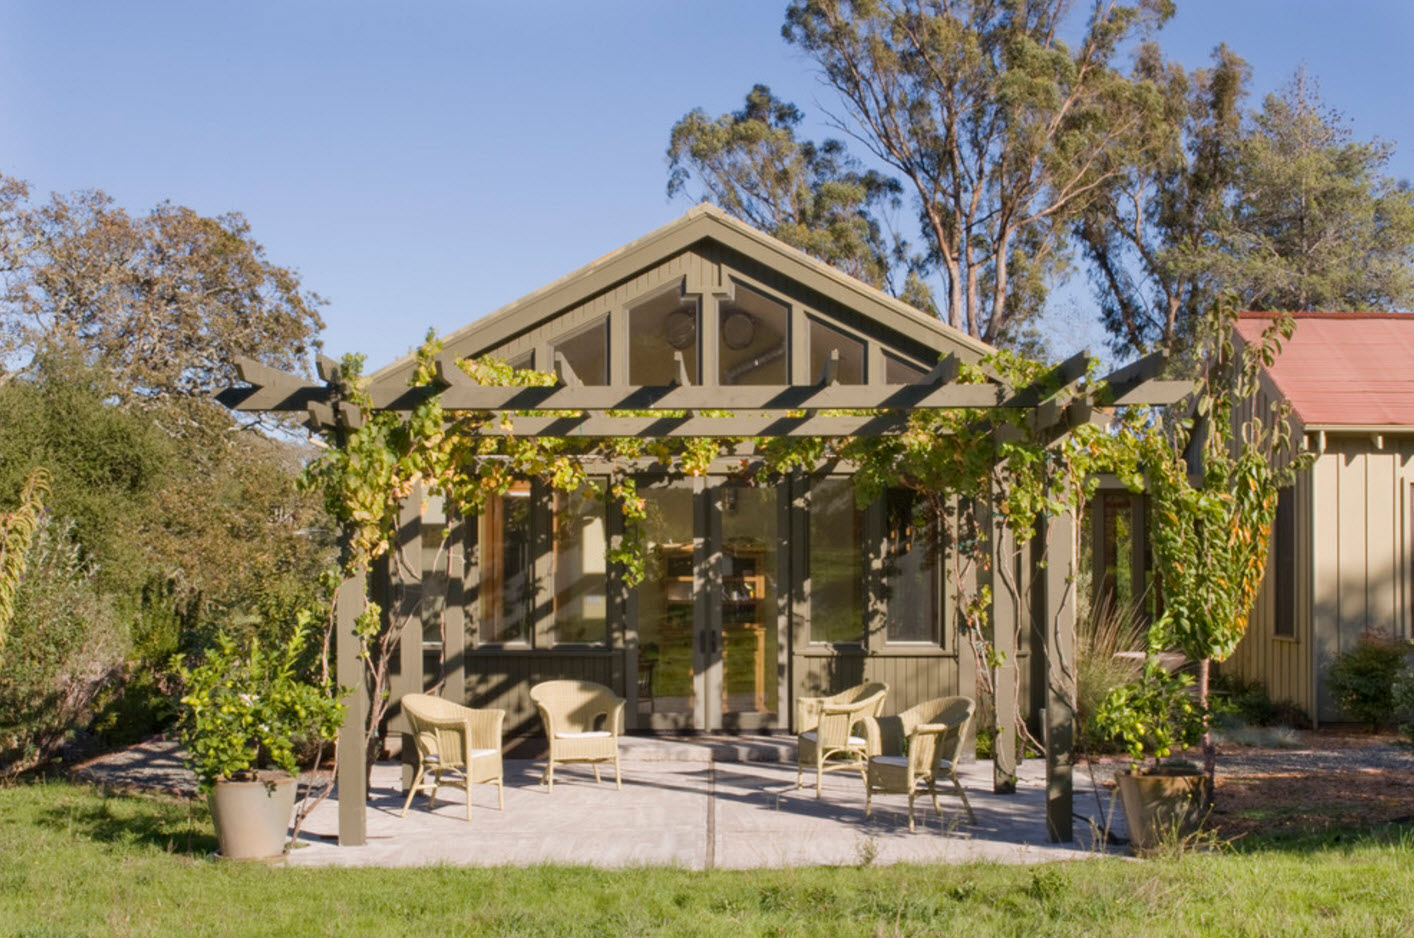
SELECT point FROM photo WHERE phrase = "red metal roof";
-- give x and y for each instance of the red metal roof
(1353, 369)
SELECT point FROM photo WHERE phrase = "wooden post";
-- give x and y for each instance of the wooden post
(1006, 611)
(1060, 676)
(407, 571)
(349, 672)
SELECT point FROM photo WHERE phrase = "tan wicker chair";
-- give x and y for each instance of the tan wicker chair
(826, 740)
(934, 732)
(583, 723)
(454, 741)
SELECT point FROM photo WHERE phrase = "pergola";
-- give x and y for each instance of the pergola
(1052, 406)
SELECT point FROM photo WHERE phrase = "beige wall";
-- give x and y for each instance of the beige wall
(1355, 567)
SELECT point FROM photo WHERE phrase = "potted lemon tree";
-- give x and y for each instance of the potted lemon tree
(244, 712)
(1155, 716)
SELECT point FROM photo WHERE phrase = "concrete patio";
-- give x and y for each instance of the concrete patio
(699, 803)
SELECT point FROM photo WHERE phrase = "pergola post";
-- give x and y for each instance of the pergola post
(1060, 674)
(1005, 614)
(349, 672)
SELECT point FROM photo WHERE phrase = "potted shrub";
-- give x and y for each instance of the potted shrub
(244, 711)
(1153, 717)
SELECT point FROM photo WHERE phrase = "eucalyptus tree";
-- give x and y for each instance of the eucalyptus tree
(1149, 236)
(1000, 131)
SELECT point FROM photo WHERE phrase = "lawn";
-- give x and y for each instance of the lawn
(77, 861)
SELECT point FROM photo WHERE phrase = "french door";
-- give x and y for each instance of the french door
(707, 614)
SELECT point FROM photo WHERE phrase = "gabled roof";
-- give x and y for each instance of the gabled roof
(704, 222)
(1344, 369)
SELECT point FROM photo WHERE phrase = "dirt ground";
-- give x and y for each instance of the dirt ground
(1351, 779)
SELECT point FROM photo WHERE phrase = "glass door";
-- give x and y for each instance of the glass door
(706, 611)
(743, 674)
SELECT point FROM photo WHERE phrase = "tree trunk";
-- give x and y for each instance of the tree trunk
(1210, 755)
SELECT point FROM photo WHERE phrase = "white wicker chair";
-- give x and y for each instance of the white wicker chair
(911, 750)
(457, 746)
(826, 740)
(583, 723)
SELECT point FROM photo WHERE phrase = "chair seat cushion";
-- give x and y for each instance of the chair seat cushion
(853, 740)
(900, 761)
(585, 734)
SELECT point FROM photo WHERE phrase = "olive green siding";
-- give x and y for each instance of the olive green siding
(444, 604)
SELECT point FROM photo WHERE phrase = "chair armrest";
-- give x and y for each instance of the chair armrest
(614, 721)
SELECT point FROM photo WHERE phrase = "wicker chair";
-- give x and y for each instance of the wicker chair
(826, 740)
(583, 722)
(454, 741)
(911, 750)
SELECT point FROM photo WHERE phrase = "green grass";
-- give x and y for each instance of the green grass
(76, 861)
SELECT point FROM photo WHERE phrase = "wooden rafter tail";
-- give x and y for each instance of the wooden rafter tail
(270, 389)
(450, 374)
(944, 372)
(1139, 383)
(1053, 383)
(321, 417)
(329, 371)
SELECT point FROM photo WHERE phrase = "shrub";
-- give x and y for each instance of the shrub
(247, 709)
(1362, 679)
(1404, 701)
(66, 646)
(1106, 641)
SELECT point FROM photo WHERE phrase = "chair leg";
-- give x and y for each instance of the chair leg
(597, 779)
(468, 792)
(550, 775)
(436, 784)
(501, 793)
(799, 775)
(971, 817)
(412, 790)
(819, 774)
(913, 793)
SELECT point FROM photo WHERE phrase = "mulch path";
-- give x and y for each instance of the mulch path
(1336, 779)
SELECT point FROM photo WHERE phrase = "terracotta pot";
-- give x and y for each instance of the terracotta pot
(252, 818)
(1162, 805)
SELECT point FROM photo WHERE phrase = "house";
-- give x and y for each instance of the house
(756, 594)
(1342, 555)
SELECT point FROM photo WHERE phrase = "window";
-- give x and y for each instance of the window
(506, 589)
(825, 339)
(579, 559)
(836, 563)
(754, 331)
(1284, 565)
(657, 330)
(912, 566)
(587, 352)
(898, 371)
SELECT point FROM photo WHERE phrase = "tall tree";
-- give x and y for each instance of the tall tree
(165, 301)
(812, 196)
(1150, 231)
(1317, 225)
(999, 129)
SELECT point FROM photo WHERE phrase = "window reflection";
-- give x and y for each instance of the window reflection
(912, 586)
(825, 339)
(753, 341)
(658, 329)
(836, 563)
(580, 564)
(588, 353)
(506, 591)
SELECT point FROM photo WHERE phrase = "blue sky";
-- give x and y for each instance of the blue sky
(422, 164)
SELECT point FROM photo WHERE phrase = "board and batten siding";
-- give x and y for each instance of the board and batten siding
(1361, 547)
